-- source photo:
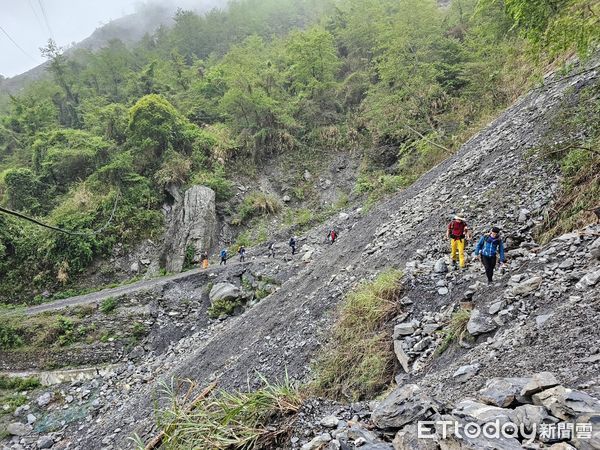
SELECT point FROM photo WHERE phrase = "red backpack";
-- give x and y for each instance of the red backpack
(457, 229)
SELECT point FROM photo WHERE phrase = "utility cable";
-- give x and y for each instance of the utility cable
(17, 45)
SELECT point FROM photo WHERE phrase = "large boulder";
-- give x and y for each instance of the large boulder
(503, 392)
(539, 382)
(455, 437)
(18, 429)
(406, 404)
(482, 413)
(528, 286)
(588, 281)
(402, 356)
(567, 404)
(408, 439)
(465, 373)
(530, 417)
(193, 223)
(224, 291)
(480, 324)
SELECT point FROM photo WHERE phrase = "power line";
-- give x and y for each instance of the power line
(39, 21)
(61, 230)
(17, 45)
(46, 19)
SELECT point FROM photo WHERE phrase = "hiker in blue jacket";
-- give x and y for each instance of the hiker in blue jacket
(487, 248)
(223, 257)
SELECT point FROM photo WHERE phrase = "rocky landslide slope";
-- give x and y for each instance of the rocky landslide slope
(540, 315)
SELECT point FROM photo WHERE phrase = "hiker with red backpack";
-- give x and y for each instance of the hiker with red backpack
(458, 232)
(332, 236)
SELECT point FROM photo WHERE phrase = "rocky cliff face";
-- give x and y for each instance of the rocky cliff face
(538, 316)
(193, 223)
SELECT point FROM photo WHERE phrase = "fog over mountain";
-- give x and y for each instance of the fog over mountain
(27, 25)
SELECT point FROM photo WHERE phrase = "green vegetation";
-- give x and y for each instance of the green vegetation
(455, 331)
(108, 305)
(221, 94)
(257, 204)
(578, 157)
(9, 335)
(18, 384)
(224, 307)
(139, 330)
(359, 361)
(240, 420)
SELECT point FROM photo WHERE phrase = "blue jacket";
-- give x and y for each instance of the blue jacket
(488, 246)
(223, 253)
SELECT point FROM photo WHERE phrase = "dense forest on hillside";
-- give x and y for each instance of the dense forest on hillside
(96, 144)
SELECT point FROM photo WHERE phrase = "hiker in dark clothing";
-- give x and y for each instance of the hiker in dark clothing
(487, 248)
(223, 257)
(271, 249)
(332, 236)
(242, 253)
(292, 244)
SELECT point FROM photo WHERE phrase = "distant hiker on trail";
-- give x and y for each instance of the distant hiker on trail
(293, 244)
(242, 253)
(488, 247)
(223, 257)
(332, 236)
(458, 232)
(271, 249)
(204, 260)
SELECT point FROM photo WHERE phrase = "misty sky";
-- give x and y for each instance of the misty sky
(68, 21)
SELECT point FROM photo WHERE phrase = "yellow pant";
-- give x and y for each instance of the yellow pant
(458, 246)
(205, 264)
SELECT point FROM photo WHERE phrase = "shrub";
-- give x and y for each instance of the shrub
(242, 420)
(19, 384)
(217, 181)
(188, 257)
(108, 305)
(257, 204)
(23, 190)
(359, 361)
(139, 330)
(10, 335)
(221, 307)
(66, 331)
(456, 330)
(175, 169)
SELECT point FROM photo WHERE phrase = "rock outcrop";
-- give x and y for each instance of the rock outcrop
(193, 223)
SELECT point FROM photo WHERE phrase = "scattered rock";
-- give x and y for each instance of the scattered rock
(528, 286)
(403, 329)
(480, 324)
(17, 429)
(317, 442)
(404, 405)
(44, 399)
(503, 392)
(45, 442)
(465, 373)
(440, 266)
(330, 421)
(403, 358)
(566, 404)
(224, 291)
(539, 382)
(588, 280)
